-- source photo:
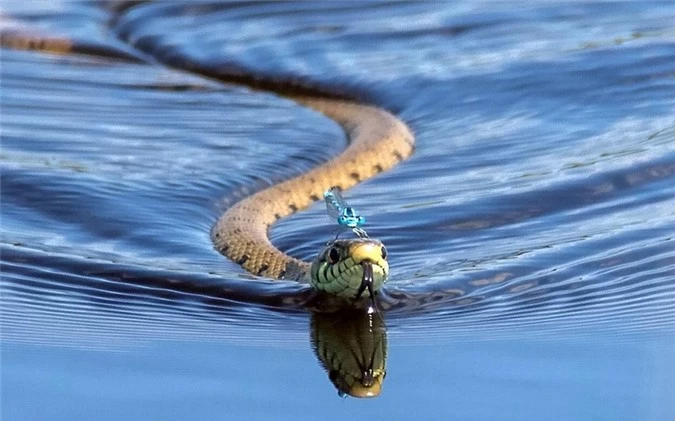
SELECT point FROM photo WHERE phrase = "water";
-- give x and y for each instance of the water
(538, 209)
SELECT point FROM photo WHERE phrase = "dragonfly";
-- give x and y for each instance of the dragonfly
(345, 215)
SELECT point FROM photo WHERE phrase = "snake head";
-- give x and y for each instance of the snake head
(350, 268)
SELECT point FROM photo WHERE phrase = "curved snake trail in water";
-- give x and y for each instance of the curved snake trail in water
(378, 140)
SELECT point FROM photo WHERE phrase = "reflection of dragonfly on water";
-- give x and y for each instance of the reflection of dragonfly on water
(345, 215)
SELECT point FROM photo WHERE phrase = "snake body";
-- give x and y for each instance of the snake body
(378, 140)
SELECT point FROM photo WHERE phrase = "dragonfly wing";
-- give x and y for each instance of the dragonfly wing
(333, 203)
(339, 200)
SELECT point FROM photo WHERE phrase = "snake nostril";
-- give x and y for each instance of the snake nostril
(333, 256)
(384, 253)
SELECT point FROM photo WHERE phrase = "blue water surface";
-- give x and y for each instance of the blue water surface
(539, 207)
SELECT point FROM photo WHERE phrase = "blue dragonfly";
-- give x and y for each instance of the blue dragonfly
(345, 215)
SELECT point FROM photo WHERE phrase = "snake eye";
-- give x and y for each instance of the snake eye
(333, 256)
(384, 253)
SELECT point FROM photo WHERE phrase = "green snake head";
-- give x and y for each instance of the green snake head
(350, 268)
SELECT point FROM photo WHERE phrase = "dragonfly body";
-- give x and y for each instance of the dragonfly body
(345, 215)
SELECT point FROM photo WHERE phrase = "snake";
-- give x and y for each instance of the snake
(351, 347)
(377, 141)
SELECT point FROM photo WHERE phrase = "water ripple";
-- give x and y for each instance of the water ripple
(539, 201)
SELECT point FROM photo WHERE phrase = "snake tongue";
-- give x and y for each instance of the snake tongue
(366, 281)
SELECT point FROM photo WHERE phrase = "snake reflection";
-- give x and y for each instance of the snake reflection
(352, 348)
